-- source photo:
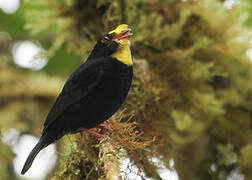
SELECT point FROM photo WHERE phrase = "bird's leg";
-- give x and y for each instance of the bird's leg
(93, 133)
(104, 128)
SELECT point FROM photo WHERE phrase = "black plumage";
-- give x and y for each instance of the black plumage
(92, 94)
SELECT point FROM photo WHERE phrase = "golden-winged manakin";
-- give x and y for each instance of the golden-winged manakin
(93, 92)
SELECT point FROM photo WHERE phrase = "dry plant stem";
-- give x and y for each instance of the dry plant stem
(109, 160)
(88, 174)
(141, 160)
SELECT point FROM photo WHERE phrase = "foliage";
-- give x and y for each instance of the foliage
(248, 9)
(191, 95)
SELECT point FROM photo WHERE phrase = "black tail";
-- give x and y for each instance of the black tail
(39, 146)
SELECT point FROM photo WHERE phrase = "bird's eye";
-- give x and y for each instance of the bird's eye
(105, 39)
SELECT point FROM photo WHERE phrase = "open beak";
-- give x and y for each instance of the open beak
(123, 35)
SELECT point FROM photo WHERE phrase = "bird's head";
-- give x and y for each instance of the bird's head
(112, 43)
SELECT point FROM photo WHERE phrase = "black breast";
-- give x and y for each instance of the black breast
(103, 101)
(109, 94)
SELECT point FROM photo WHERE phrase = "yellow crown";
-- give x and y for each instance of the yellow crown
(119, 29)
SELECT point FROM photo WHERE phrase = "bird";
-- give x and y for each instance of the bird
(92, 93)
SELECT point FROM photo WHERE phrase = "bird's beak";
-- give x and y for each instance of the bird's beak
(121, 32)
(125, 34)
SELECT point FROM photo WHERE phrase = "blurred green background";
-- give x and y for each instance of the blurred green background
(188, 115)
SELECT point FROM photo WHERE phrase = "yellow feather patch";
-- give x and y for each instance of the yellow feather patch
(123, 53)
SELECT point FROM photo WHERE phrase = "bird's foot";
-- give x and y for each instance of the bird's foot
(93, 133)
(104, 128)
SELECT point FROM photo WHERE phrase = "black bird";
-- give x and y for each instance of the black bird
(93, 92)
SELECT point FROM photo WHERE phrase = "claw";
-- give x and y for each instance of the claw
(104, 128)
(93, 133)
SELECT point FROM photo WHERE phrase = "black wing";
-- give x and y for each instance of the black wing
(79, 84)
